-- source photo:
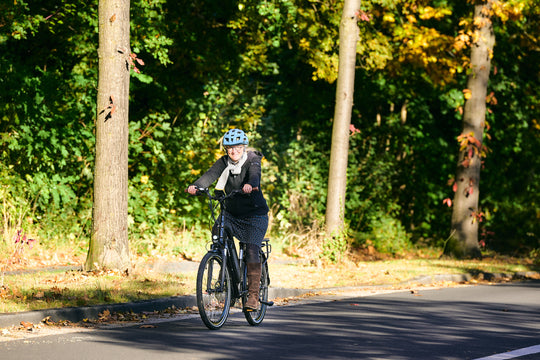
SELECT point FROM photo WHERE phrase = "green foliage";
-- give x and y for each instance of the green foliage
(510, 179)
(386, 234)
(334, 249)
(535, 255)
(303, 201)
(269, 68)
(19, 24)
(16, 204)
(149, 30)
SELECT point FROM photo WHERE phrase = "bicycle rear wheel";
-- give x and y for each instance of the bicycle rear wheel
(256, 317)
(213, 291)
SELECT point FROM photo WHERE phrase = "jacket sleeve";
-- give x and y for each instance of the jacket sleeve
(209, 177)
(254, 170)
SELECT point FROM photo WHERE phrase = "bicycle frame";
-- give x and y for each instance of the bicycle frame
(224, 243)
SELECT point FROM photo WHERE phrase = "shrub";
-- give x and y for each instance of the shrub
(386, 234)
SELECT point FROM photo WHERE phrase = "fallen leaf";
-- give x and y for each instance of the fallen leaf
(147, 327)
(27, 325)
(105, 315)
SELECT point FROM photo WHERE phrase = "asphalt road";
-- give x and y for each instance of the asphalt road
(491, 322)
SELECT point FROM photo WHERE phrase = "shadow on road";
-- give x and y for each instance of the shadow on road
(438, 324)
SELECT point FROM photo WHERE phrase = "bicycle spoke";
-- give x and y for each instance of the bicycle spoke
(213, 296)
(256, 317)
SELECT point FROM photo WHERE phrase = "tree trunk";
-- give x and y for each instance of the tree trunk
(337, 179)
(109, 242)
(465, 217)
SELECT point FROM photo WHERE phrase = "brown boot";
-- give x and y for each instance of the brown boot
(254, 284)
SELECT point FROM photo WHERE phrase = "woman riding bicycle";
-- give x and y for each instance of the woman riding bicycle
(245, 215)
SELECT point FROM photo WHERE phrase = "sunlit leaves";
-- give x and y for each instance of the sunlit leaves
(509, 10)
(18, 22)
(427, 47)
(149, 29)
(428, 12)
(268, 66)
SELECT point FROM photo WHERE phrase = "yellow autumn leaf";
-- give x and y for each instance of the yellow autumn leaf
(389, 18)
(467, 93)
(480, 22)
(304, 44)
(431, 13)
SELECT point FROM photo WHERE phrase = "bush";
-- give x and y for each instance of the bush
(386, 234)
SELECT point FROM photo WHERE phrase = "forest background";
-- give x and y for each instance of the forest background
(269, 67)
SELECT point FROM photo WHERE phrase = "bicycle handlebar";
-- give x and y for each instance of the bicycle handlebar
(206, 191)
(219, 198)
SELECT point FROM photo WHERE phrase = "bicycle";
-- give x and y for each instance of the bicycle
(222, 273)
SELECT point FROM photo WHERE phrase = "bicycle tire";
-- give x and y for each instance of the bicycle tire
(213, 299)
(254, 318)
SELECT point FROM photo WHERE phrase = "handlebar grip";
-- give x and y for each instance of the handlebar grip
(200, 190)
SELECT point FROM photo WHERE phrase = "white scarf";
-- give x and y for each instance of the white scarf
(234, 168)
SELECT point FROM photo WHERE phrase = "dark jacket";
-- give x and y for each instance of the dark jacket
(241, 205)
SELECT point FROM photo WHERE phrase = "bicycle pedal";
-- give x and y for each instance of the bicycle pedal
(267, 303)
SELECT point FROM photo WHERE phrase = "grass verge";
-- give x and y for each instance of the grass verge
(24, 291)
(56, 289)
(294, 263)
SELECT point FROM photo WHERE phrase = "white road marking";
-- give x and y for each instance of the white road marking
(513, 354)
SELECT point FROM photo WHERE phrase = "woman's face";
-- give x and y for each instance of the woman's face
(235, 152)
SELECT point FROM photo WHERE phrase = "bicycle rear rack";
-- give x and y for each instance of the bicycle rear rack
(266, 248)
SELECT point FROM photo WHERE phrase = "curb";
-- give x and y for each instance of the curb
(77, 314)
(427, 279)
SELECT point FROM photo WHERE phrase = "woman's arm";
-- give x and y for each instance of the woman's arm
(212, 174)
(254, 170)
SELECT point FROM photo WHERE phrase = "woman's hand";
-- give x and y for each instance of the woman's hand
(192, 190)
(247, 189)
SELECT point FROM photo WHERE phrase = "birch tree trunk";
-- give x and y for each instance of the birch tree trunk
(109, 241)
(465, 216)
(337, 179)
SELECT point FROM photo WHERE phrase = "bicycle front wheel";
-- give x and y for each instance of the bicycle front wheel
(213, 291)
(256, 317)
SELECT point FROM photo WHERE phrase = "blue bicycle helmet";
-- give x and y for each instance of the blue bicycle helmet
(235, 137)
